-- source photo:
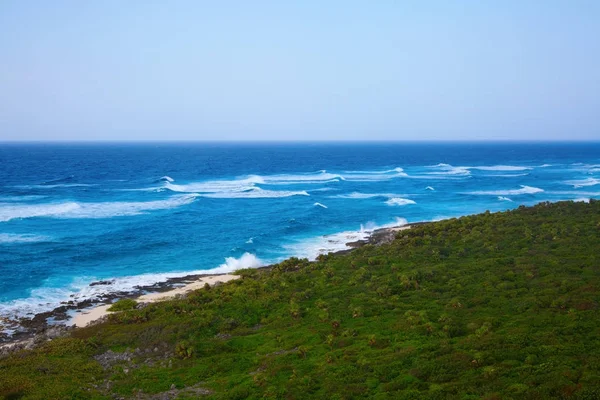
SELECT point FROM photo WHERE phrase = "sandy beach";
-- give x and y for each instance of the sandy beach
(85, 317)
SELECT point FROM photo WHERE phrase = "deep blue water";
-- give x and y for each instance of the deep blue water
(71, 214)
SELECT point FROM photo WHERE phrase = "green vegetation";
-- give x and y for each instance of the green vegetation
(492, 306)
(123, 305)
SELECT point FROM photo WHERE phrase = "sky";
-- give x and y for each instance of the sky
(299, 70)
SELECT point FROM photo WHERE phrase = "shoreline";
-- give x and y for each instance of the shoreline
(71, 315)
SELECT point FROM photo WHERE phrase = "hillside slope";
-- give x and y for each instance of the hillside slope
(493, 306)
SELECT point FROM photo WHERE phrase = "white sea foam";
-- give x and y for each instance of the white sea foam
(500, 168)
(512, 192)
(312, 247)
(447, 169)
(308, 178)
(506, 175)
(250, 241)
(320, 205)
(370, 176)
(22, 238)
(359, 195)
(502, 198)
(255, 193)
(166, 179)
(238, 185)
(89, 210)
(47, 298)
(231, 264)
(429, 188)
(398, 201)
(583, 182)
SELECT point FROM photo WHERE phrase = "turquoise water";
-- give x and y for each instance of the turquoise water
(71, 214)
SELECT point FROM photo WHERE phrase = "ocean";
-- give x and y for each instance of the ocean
(136, 214)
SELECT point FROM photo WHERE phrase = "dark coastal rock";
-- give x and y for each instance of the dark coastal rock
(98, 283)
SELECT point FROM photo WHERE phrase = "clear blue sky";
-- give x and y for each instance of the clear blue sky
(290, 70)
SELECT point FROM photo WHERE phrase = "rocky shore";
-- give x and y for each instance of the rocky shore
(56, 323)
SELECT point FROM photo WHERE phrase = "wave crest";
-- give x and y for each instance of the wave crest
(514, 192)
(89, 210)
(399, 201)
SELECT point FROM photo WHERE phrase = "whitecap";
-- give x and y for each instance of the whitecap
(429, 188)
(513, 192)
(359, 195)
(89, 210)
(447, 169)
(499, 168)
(398, 201)
(320, 205)
(583, 182)
(370, 176)
(166, 179)
(505, 175)
(502, 198)
(255, 193)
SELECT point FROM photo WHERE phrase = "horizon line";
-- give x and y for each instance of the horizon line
(294, 141)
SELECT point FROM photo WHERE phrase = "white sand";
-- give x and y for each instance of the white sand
(85, 317)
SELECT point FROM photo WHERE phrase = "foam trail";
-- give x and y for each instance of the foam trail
(359, 195)
(499, 168)
(398, 201)
(502, 198)
(255, 193)
(583, 182)
(22, 238)
(370, 176)
(506, 175)
(515, 192)
(447, 169)
(320, 205)
(89, 210)
(397, 170)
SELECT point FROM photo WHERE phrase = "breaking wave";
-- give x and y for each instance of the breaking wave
(502, 198)
(231, 264)
(583, 182)
(255, 193)
(398, 201)
(89, 210)
(513, 192)
(312, 247)
(320, 205)
(359, 195)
